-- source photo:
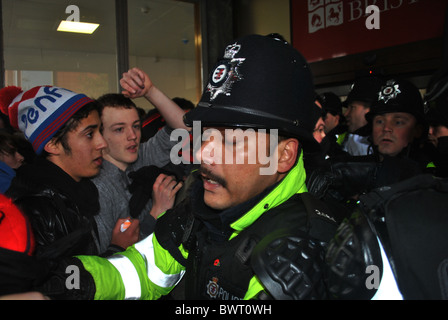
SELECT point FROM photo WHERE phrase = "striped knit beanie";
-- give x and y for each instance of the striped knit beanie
(41, 111)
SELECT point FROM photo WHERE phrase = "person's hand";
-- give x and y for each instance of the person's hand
(164, 193)
(136, 83)
(128, 237)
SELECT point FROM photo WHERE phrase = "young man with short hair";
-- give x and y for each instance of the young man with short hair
(125, 155)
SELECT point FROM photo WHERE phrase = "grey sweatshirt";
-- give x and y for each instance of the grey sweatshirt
(113, 183)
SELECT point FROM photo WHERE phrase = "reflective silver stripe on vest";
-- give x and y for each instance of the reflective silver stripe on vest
(129, 275)
(158, 277)
(388, 288)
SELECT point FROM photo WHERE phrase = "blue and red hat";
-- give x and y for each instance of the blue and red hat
(41, 111)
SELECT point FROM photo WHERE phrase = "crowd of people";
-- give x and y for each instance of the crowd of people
(88, 183)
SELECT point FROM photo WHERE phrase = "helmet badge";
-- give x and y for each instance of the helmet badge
(226, 73)
(390, 91)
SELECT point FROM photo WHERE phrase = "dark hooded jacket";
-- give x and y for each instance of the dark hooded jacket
(60, 209)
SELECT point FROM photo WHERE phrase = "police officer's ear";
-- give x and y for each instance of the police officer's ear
(288, 150)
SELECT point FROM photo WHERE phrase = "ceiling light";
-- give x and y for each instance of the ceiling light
(78, 27)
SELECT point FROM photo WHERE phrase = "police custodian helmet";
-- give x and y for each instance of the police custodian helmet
(262, 82)
(398, 95)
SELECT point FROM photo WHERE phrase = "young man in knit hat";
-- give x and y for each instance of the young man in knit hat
(54, 191)
(245, 218)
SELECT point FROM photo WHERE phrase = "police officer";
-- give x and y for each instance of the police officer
(395, 245)
(397, 132)
(245, 211)
(335, 124)
(363, 93)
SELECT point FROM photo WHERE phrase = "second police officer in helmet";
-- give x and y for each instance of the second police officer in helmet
(394, 245)
(397, 133)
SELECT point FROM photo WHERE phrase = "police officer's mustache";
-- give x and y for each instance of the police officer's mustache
(207, 174)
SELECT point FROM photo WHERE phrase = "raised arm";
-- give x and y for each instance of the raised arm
(136, 84)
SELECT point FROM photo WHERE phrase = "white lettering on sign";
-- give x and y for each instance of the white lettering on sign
(327, 13)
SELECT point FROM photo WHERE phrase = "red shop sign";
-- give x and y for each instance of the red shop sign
(325, 29)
